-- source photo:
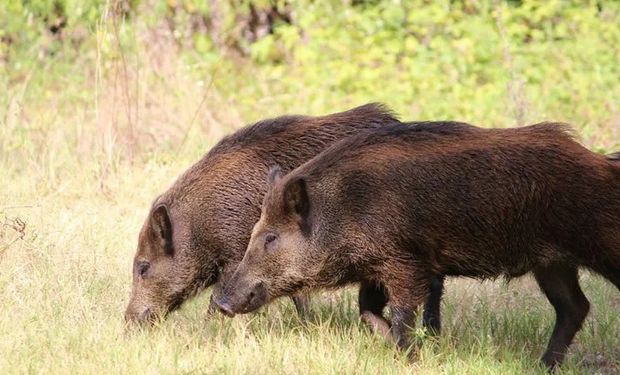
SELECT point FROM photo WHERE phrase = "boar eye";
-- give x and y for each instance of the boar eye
(142, 268)
(270, 238)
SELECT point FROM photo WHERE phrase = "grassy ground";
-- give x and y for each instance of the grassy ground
(67, 245)
(88, 139)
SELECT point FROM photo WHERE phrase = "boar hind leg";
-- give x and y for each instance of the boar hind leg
(302, 305)
(431, 319)
(560, 284)
(372, 301)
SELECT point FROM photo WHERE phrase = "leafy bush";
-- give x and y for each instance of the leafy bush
(495, 63)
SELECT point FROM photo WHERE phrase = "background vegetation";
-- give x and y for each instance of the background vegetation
(104, 103)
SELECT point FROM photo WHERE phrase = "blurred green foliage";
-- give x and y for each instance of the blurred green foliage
(489, 62)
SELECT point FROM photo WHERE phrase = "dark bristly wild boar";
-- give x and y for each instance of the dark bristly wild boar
(399, 207)
(197, 231)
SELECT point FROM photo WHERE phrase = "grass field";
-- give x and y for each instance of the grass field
(65, 282)
(89, 136)
(67, 238)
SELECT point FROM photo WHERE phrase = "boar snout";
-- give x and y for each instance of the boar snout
(134, 317)
(224, 307)
(242, 300)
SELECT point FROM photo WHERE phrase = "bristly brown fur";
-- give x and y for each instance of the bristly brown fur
(399, 206)
(212, 207)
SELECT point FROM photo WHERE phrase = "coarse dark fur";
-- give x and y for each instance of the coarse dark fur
(197, 231)
(401, 207)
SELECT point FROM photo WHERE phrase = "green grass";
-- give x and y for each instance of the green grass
(64, 286)
(91, 134)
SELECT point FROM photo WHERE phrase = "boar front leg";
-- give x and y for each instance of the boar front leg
(302, 305)
(216, 291)
(431, 319)
(372, 300)
(407, 292)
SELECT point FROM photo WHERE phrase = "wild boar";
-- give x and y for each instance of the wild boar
(197, 231)
(399, 207)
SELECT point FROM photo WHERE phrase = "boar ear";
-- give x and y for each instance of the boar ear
(162, 226)
(275, 174)
(296, 197)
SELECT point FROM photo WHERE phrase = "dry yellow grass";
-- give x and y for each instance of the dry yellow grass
(84, 148)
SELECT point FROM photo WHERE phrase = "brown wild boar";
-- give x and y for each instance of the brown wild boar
(399, 207)
(182, 251)
(197, 231)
